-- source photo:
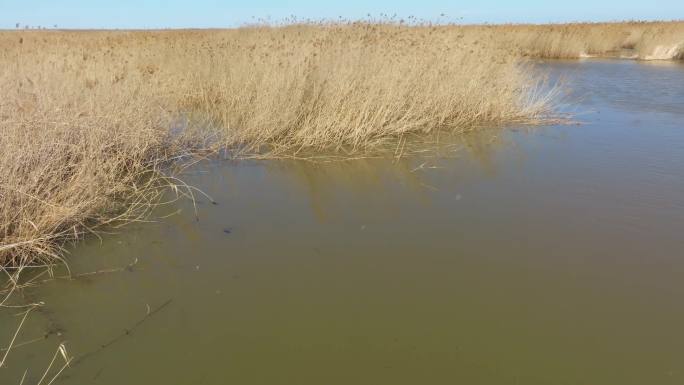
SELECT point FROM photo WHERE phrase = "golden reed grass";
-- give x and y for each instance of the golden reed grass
(90, 119)
(636, 40)
(350, 87)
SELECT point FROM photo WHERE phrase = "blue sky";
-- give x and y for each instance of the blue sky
(227, 13)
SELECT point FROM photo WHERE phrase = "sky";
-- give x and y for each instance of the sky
(230, 13)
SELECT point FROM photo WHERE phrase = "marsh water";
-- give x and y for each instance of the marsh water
(552, 255)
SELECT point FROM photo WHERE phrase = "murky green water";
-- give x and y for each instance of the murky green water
(551, 257)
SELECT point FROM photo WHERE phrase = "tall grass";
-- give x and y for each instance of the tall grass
(350, 87)
(637, 40)
(69, 156)
(79, 148)
(89, 118)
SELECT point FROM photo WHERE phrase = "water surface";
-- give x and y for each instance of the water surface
(551, 256)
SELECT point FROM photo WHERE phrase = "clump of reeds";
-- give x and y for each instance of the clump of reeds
(78, 149)
(88, 119)
(636, 40)
(353, 86)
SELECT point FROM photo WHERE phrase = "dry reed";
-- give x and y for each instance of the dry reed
(89, 119)
(351, 87)
(634, 40)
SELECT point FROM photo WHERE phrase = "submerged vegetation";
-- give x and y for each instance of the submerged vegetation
(90, 120)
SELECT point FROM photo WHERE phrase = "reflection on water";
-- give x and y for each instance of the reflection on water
(322, 183)
(551, 257)
(647, 87)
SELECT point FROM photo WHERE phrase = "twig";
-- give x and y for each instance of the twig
(16, 333)
(126, 332)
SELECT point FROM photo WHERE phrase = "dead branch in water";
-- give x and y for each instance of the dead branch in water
(127, 332)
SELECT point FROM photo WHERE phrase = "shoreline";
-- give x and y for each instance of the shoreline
(89, 112)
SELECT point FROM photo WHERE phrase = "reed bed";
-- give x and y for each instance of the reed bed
(634, 40)
(91, 123)
(71, 159)
(90, 119)
(79, 149)
(352, 87)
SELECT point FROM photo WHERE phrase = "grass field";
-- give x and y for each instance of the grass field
(91, 121)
